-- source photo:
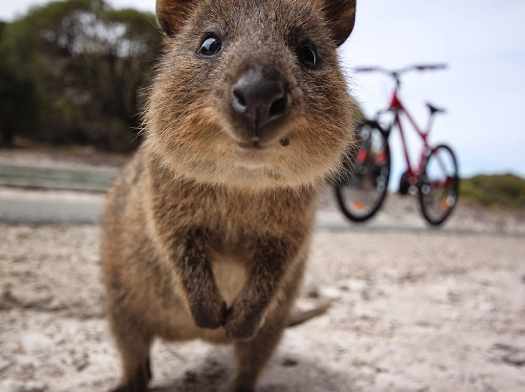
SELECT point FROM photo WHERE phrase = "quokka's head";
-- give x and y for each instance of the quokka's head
(249, 93)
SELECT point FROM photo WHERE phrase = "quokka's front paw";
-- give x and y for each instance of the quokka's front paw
(209, 315)
(241, 325)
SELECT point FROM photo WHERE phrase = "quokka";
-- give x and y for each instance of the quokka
(206, 231)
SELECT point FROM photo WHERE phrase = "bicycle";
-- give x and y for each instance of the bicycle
(361, 191)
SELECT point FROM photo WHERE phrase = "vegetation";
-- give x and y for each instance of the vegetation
(505, 190)
(70, 72)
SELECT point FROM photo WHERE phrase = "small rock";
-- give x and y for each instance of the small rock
(488, 388)
(356, 285)
(93, 259)
(4, 364)
(213, 371)
(515, 357)
(10, 385)
(288, 362)
(27, 364)
(35, 343)
(34, 386)
(386, 381)
(80, 362)
(60, 339)
(310, 288)
(365, 295)
(190, 377)
(331, 293)
(53, 370)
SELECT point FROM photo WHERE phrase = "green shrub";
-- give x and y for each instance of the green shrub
(498, 190)
(70, 73)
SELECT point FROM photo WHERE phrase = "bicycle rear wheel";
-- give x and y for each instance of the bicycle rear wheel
(365, 183)
(438, 185)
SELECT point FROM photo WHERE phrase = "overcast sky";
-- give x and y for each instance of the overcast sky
(482, 41)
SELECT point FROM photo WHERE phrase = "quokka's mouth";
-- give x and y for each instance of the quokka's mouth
(256, 144)
(251, 145)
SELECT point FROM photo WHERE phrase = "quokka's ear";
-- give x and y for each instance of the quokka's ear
(340, 14)
(172, 14)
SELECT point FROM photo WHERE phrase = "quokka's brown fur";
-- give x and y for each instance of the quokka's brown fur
(207, 229)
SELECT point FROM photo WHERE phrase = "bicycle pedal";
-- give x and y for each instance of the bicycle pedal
(404, 184)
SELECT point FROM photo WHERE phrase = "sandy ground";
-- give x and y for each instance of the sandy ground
(413, 309)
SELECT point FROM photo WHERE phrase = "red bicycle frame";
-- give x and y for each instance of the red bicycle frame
(397, 107)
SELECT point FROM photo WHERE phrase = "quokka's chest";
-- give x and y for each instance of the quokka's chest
(231, 276)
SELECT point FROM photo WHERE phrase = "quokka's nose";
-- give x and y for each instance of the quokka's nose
(258, 100)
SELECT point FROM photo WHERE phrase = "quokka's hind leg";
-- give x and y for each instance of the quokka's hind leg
(133, 342)
(138, 382)
(251, 356)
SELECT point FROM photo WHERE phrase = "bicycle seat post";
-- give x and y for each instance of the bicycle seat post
(433, 111)
(429, 123)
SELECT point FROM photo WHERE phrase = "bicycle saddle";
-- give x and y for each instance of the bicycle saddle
(434, 109)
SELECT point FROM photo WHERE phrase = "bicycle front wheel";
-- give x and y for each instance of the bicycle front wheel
(365, 183)
(438, 185)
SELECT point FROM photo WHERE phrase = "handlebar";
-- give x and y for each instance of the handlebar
(430, 67)
(397, 73)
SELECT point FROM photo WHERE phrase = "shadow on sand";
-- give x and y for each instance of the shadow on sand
(282, 375)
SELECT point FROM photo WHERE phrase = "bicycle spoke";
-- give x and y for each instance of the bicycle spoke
(438, 188)
(363, 191)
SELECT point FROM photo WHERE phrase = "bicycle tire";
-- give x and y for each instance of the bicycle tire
(439, 186)
(363, 188)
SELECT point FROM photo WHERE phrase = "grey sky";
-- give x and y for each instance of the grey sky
(482, 41)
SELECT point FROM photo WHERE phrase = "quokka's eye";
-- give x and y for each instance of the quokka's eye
(308, 55)
(210, 46)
